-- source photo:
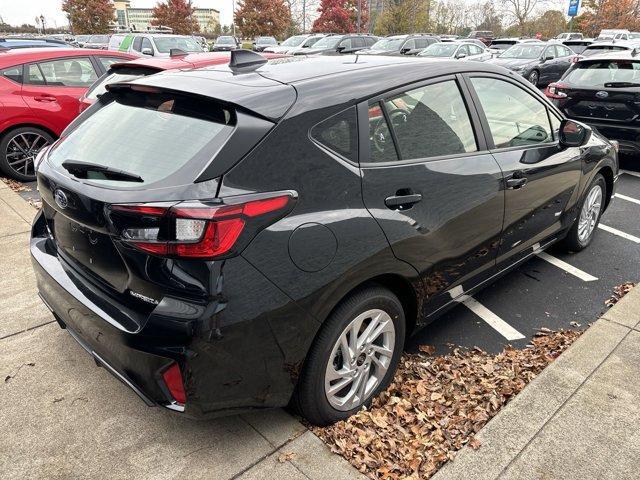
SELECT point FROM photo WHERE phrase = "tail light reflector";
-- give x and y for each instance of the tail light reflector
(554, 91)
(199, 230)
(173, 380)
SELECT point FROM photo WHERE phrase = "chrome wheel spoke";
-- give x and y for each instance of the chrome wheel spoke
(359, 360)
(21, 151)
(589, 213)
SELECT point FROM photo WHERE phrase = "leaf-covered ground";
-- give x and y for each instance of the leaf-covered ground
(435, 405)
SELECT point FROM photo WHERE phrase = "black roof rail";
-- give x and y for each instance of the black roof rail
(245, 60)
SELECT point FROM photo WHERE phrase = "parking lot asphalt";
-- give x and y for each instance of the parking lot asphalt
(540, 294)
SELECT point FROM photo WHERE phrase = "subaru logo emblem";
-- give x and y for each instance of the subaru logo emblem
(61, 199)
(602, 94)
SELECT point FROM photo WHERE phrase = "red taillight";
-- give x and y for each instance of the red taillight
(554, 91)
(173, 380)
(198, 230)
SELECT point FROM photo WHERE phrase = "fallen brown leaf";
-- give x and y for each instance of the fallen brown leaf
(285, 457)
(619, 291)
(435, 405)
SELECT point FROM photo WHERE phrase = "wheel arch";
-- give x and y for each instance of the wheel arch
(11, 128)
(607, 172)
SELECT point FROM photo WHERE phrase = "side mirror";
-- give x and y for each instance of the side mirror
(548, 57)
(404, 51)
(574, 134)
(461, 55)
(147, 51)
(341, 48)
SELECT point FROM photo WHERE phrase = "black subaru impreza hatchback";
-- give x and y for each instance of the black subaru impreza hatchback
(260, 234)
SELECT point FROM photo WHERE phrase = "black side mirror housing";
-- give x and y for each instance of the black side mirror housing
(341, 48)
(404, 51)
(574, 134)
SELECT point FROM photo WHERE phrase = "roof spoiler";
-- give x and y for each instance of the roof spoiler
(245, 60)
(177, 52)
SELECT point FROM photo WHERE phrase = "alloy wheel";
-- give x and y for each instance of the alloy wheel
(21, 151)
(359, 359)
(533, 78)
(590, 213)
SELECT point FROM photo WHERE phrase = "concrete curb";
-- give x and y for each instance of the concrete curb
(514, 429)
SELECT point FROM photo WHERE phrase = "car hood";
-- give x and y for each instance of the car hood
(368, 51)
(513, 62)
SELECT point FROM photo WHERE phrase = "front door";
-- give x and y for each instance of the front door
(433, 187)
(541, 177)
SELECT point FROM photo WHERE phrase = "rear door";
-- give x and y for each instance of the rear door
(52, 88)
(541, 177)
(432, 185)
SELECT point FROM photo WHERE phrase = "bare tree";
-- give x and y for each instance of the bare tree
(521, 10)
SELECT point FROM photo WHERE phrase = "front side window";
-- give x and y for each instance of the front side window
(146, 44)
(515, 117)
(339, 133)
(137, 44)
(69, 72)
(346, 43)
(431, 121)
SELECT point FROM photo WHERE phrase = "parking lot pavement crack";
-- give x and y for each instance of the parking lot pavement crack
(561, 406)
(266, 455)
(27, 330)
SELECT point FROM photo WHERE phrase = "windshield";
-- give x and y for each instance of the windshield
(226, 41)
(82, 38)
(99, 39)
(327, 42)
(597, 73)
(266, 41)
(439, 50)
(597, 49)
(151, 135)
(293, 41)
(633, 36)
(523, 51)
(186, 44)
(388, 44)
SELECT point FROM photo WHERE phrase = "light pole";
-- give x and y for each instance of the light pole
(44, 28)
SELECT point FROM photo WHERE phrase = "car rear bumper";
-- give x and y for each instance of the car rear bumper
(241, 351)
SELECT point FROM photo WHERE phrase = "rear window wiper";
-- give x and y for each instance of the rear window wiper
(80, 170)
(621, 85)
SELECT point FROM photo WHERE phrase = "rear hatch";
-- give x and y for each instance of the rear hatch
(150, 148)
(603, 90)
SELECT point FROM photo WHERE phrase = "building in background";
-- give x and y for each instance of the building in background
(131, 18)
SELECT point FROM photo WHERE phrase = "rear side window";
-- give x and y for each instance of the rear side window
(150, 135)
(34, 75)
(381, 145)
(13, 73)
(515, 117)
(431, 121)
(339, 133)
(597, 73)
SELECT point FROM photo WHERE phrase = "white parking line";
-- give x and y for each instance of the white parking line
(628, 199)
(635, 174)
(494, 321)
(617, 232)
(576, 272)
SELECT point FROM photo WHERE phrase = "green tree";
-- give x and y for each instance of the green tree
(262, 17)
(176, 14)
(89, 16)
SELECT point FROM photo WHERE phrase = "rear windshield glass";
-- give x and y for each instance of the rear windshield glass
(596, 74)
(149, 135)
(596, 49)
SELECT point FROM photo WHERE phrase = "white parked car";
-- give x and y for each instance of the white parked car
(456, 50)
(154, 44)
(296, 44)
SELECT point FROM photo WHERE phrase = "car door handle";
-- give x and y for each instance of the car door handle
(45, 98)
(517, 182)
(401, 200)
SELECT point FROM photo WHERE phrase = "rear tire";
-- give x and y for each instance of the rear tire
(340, 374)
(583, 230)
(18, 150)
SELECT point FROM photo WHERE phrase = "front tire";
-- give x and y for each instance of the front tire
(534, 78)
(353, 357)
(583, 229)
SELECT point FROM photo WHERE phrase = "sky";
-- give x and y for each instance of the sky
(17, 12)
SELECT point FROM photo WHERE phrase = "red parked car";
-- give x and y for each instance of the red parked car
(40, 89)
(142, 66)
